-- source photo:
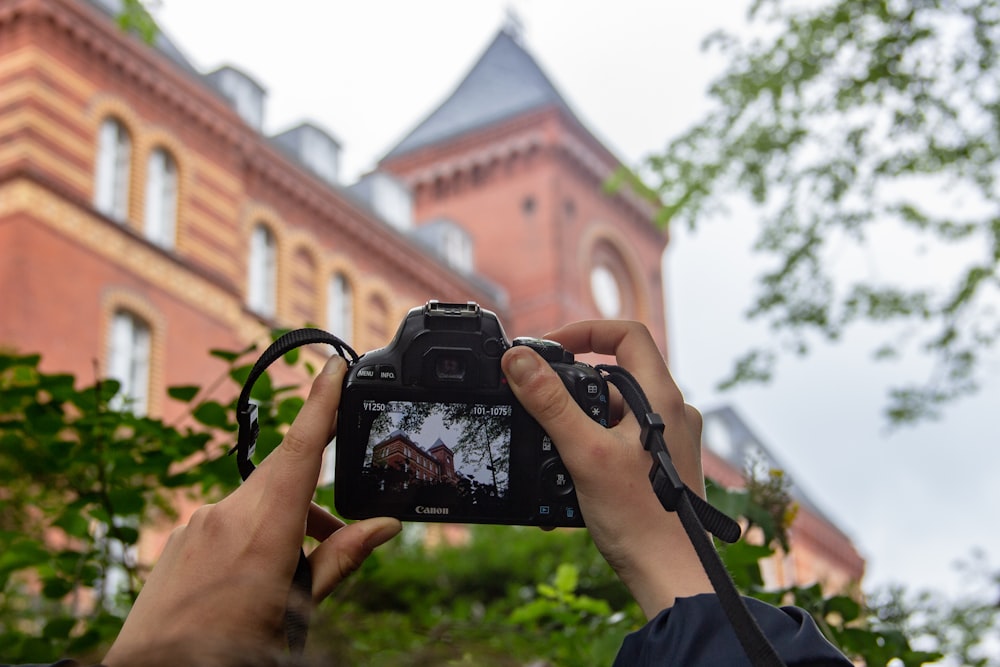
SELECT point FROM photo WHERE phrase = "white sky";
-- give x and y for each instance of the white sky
(914, 501)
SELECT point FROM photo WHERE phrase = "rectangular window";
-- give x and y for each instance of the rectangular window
(111, 180)
(128, 362)
(263, 273)
(161, 198)
(339, 307)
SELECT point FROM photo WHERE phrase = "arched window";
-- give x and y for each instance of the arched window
(111, 178)
(262, 278)
(340, 307)
(128, 361)
(161, 198)
(457, 248)
(377, 316)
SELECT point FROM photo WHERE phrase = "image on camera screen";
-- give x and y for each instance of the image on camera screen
(439, 454)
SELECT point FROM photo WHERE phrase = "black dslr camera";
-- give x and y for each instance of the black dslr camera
(429, 430)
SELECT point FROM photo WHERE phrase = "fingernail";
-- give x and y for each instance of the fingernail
(388, 529)
(521, 363)
(334, 364)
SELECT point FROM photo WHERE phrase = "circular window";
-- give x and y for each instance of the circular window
(607, 293)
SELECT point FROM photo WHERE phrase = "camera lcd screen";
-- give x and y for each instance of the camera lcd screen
(438, 457)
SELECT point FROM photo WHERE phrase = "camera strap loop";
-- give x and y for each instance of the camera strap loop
(246, 412)
(300, 596)
(696, 516)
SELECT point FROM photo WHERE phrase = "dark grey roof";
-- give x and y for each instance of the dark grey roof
(505, 82)
(744, 447)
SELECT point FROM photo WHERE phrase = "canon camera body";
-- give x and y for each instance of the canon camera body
(429, 430)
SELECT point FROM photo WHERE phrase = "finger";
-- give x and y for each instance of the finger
(687, 460)
(293, 467)
(542, 393)
(320, 524)
(345, 550)
(634, 348)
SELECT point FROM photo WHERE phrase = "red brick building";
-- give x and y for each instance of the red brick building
(146, 219)
(507, 169)
(399, 451)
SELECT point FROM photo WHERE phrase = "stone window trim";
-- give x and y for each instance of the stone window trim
(113, 168)
(603, 245)
(118, 300)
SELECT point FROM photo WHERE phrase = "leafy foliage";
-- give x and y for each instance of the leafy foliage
(79, 480)
(966, 628)
(867, 127)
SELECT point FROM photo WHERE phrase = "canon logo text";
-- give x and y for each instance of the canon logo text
(431, 510)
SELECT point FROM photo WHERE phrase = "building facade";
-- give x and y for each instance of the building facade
(400, 452)
(506, 168)
(821, 552)
(145, 218)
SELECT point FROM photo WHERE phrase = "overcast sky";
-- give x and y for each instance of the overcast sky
(914, 501)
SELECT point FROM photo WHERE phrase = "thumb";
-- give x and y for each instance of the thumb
(542, 393)
(345, 551)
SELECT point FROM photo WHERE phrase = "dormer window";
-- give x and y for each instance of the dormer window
(449, 241)
(314, 148)
(456, 247)
(389, 198)
(243, 93)
(322, 155)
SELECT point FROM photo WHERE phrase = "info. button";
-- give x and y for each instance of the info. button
(387, 373)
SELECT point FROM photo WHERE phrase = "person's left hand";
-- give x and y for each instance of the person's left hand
(228, 573)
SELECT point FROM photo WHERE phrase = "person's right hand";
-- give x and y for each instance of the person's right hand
(645, 544)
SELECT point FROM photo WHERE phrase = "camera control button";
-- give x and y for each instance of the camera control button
(494, 347)
(387, 373)
(556, 479)
(366, 373)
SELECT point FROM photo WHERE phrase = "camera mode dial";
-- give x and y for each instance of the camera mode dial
(549, 350)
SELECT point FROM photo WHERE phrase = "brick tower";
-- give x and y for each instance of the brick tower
(506, 178)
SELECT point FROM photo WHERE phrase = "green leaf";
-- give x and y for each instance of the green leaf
(56, 588)
(212, 414)
(566, 579)
(289, 408)
(225, 355)
(847, 608)
(184, 393)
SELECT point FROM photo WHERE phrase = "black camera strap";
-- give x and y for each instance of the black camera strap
(300, 596)
(697, 516)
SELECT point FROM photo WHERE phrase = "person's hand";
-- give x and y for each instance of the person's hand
(645, 544)
(227, 574)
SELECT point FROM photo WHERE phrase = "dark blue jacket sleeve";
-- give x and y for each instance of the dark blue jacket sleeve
(696, 632)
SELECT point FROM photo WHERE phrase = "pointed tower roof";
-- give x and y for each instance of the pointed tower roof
(505, 82)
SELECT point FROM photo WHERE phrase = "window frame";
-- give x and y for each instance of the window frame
(262, 271)
(113, 168)
(129, 360)
(161, 198)
(340, 306)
